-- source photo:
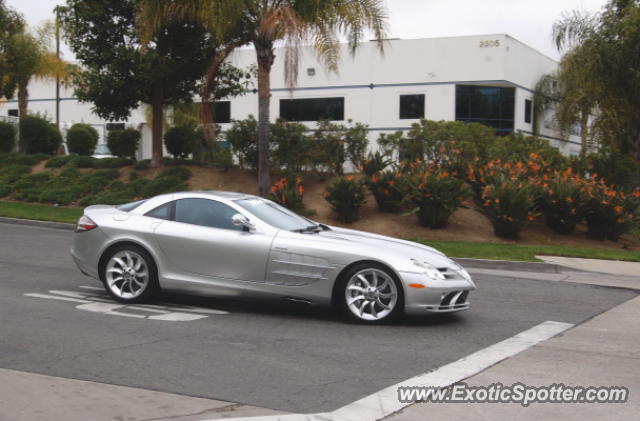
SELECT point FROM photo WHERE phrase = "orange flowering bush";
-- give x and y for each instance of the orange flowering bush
(610, 213)
(434, 194)
(562, 200)
(509, 205)
(385, 187)
(288, 191)
(346, 196)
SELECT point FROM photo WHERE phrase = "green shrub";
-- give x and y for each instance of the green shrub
(60, 196)
(222, 158)
(82, 139)
(434, 195)
(182, 173)
(143, 165)
(356, 141)
(509, 205)
(37, 135)
(346, 196)
(615, 168)
(137, 187)
(162, 185)
(243, 138)
(123, 143)
(83, 162)
(328, 153)
(375, 163)
(111, 198)
(292, 145)
(7, 137)
(386, 189)
(58, 161)
(289, 192)
(562, 202)
(180, 141)
(16, 170)
(31, 181)
(21, 159)
(610, 212)
(112, 162)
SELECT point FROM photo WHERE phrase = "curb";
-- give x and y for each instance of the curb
(510, 265)
(34, 223)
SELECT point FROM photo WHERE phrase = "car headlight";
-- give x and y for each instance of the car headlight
(429, 270)
(462, 271)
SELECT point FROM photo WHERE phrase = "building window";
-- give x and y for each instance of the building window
(13, 113)
(223, 111)
(411, 106)
(489, 105)
(114, 126)
(527, 110)
(312, 109)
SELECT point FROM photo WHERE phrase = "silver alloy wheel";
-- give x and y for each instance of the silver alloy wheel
(127, 274)
(371, 294)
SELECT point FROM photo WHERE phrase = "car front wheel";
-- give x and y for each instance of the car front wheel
(370, 293)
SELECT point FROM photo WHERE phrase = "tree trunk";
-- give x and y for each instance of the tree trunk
(584, 134)
(264, 51)
(157, 121)
(23, 100)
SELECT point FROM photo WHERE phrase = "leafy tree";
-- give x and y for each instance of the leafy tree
(263, 23)
(120, 71)
(11, 23)
(603, 61)
(7, 137)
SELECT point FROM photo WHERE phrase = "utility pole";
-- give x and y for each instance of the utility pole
(57, 75)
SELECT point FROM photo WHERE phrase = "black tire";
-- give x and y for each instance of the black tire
(142, 294)
(340, 294)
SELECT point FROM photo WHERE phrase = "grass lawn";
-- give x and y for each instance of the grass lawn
(39, 212)
(525, 253)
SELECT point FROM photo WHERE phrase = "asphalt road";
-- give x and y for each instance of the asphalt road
(285, 357)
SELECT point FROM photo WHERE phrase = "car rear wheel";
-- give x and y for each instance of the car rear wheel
(370, 293)
(129, 274)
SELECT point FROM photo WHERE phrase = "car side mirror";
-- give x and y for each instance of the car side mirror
(240, 220)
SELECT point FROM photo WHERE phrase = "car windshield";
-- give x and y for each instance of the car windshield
(275, 215)
(128, 207)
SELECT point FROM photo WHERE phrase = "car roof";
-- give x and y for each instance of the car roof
(215, 194)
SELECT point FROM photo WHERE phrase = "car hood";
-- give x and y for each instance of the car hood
(380, 245)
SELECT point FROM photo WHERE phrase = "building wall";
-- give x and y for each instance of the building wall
(371, 83)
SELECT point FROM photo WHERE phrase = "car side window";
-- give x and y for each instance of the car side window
(161, 212)
(207, 213)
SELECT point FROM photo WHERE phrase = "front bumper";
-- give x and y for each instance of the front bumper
(446, 296)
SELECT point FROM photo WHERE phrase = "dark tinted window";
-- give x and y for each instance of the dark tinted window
(161, 212)
(13, 112)
(527, 110)
(223, 111)
(205, 212)
(115, 126)
(489, 105)
(411, 106)
(128, 207)
(312, 109)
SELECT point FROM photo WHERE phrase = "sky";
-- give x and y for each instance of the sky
(529, 21)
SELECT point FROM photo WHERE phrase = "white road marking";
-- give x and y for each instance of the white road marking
(93, 288)
(103, 304)
(385, 402)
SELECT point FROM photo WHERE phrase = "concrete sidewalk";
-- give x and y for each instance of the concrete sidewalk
(612, 267)
(29, 397)
(604, 351)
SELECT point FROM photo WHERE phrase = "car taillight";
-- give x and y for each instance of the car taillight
(85, 224)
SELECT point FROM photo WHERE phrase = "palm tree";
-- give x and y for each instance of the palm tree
(29, 56)
(572, 87)
(263, 23)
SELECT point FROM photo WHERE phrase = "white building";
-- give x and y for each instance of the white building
(487, 79)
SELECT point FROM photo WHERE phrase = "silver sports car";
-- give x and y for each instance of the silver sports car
(233, 244)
